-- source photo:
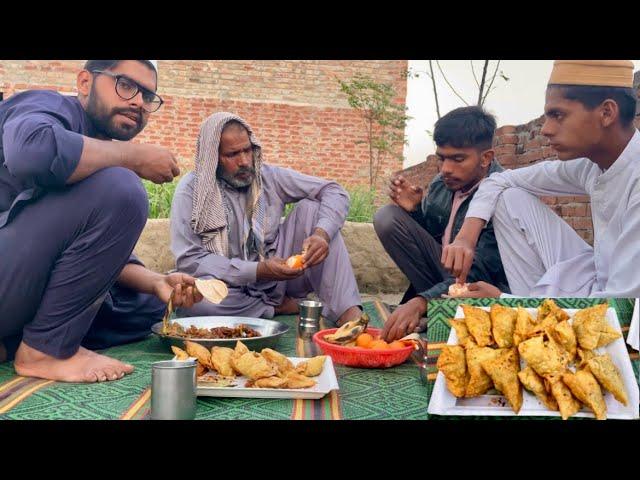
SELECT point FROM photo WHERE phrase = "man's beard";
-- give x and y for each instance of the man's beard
(105, 123)
(236, 182)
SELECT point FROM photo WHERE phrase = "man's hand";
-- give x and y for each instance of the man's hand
(184, 285)
(316, 248)
(457, 258)
(152, 162)
(405, 319)
(276, 269)
(406, 196)
(481, 290)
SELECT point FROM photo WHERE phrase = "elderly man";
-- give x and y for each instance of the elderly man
(226, 224)
(71, 210)
(590, 108)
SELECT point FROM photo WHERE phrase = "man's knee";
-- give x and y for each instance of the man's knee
(385, 221)
(514, 200)
(119, 191)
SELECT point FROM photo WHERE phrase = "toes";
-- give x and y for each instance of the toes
(99, 374)
(120, 366)
(122, 369)
(111, 373)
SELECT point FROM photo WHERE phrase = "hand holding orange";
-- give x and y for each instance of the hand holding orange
(295, 261)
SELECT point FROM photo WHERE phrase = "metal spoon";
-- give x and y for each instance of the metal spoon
(167, 314)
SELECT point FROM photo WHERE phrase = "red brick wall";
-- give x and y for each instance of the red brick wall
(295, 107)
(519, 146)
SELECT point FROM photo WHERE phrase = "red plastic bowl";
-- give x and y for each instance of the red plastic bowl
(362, 357)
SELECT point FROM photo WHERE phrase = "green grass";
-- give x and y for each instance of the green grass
(363, 205)
(160, 197)
(362, 201)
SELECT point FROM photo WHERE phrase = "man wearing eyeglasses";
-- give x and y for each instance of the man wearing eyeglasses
(72, 208)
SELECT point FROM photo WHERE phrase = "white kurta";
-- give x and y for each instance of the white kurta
(615, 207)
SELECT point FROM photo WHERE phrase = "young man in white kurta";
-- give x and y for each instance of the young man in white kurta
(542, 254)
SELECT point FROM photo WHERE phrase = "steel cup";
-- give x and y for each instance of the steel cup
(173, 390)
(309, 318)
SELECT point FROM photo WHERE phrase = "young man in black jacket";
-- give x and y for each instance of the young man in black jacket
(415, 228)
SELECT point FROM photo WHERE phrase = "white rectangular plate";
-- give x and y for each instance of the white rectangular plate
(633, 336)
(326, 382)
(443, 402)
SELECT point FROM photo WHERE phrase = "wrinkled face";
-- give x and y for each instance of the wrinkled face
(235, 154)
(112, 115)
(461, 168)
(572, 130)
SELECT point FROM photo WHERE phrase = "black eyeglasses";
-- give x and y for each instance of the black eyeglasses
(127, 89)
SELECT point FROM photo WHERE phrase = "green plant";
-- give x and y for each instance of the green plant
(362, 209)
(160, 197)
(363, 204)
(384, 119)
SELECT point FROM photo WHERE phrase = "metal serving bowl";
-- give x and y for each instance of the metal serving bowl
(270, 331)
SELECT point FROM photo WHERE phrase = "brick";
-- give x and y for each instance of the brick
(536, 143)
(509, 139)
(506, 129)
(505, 150)
(581, 223)
(574, 210)
(529, 157)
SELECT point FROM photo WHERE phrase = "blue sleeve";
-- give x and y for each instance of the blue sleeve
(38, 142)
(133, 258)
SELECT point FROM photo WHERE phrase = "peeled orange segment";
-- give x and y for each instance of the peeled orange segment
(457, 289)
(213, 290)
(296, 261)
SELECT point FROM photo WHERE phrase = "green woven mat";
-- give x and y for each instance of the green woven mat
(395, 393)
(440, 311)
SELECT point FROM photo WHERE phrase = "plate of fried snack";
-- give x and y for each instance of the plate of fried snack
(547, 361)
(240, 372)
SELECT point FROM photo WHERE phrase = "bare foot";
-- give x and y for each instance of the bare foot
(289, 306)
(83, 367)
(350, 313)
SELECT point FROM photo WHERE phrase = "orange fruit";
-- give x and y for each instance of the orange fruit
(295, 261)
(364, 340)
(396, 344)
(379, 345)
